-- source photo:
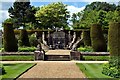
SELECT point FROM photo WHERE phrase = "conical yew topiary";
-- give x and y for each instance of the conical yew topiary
(97, 38)
(24, 38)
(9, 40)
(113, 67)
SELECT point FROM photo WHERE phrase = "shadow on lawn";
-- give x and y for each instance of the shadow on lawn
(9, 64)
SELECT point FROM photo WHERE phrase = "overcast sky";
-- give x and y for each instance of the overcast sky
(74, 6)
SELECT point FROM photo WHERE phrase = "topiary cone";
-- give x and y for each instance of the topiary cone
(114, 39)
(97, 38)
(9, 41)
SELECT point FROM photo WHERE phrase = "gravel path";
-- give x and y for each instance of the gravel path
(54, 70)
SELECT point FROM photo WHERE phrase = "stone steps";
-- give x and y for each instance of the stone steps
(57, 57)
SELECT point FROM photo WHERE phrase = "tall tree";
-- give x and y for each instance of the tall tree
(53, 15)
(76, 19)
(100, 6)
(22, 12)
(95, 13)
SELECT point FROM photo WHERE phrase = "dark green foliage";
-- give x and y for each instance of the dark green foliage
(24, 38)
(86, 38)
(114, 39)
(10, 42)
(22, 12)
(97, 38)
(100, 6)
(113, 68)
(2, 70)
(33, 40)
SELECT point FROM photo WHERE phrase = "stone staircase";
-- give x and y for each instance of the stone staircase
(57, 55)
(57, 58)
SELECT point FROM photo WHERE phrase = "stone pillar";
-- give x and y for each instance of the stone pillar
(48, 38)
(69, 37)
(74, 55)
(43, 38)
(39, 55)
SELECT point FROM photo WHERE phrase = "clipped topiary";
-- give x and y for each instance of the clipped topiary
(113, 68)
(97, 38)
(114, 39)
(9, 40)
(86, 38)
(24, 38)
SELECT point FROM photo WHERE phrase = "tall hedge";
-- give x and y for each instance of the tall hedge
(24, 38)
(9, 40)
(97, 38)
(114, 43)
(86, 38)
(113, 68)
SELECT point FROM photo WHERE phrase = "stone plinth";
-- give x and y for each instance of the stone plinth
(74, 55)
(39, 55)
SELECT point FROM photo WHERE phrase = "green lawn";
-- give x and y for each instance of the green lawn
(17, 58)
(15, 70)
(93, 71)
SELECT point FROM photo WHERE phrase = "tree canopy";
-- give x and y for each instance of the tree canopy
(96, 12)
(22, 12)
(53, 15)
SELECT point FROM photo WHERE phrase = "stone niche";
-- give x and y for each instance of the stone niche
(58, 40)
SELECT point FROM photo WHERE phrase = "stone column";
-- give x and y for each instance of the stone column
(43, 38)
(69, 37)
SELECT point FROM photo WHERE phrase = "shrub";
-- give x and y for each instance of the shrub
(24, 38)
(97, 39)
(26, 49)
(85, 49)
(10, 42)
(33, 40)
(111, 71)
(86, 38)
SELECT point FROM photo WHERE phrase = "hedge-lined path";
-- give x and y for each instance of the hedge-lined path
(54, 69)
